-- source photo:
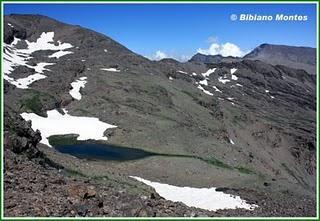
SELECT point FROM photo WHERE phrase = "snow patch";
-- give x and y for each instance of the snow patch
(170, 78)
(194, 74)
(204, 82)
(76, 85)
(205, 91)
(15, 41)
(14, 57)
(40, 67)
(105, 50)
(239, 85)
(216, 89)
(23, 83)
(267, 91)
(45, 42)
(208, 72)
(59, 124)
(182, 72)
(232, 70)
(11, 25)
(223, 81)
(234, 77)
(204, 198)
(231, 141)
(110, 69)
(59, 54)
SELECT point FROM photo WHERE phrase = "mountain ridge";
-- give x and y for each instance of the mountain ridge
(283, 54)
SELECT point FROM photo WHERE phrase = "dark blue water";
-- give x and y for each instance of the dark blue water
(103, 152)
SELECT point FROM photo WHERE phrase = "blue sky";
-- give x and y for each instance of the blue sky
(180, 30)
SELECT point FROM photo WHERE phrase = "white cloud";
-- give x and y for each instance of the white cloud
(184, 58)
(158, 55)
(227, 49)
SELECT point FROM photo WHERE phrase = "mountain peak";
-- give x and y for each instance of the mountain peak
(292, 56)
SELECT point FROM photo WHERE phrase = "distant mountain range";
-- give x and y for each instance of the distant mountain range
(212, 59)
(291, 56)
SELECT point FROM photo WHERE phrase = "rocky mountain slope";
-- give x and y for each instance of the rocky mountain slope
(212, 59)
(295, 57)
(243, 125)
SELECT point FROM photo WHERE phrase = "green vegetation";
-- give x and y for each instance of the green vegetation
(82, 111)
(72, 172)
(33, 104)
(215, 162)
(245, 170)
(67, 139)
(33, 101)
(77, 173)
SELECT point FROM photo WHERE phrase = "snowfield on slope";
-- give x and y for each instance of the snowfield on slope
(205, 91)
(59, 54)
(232, 70)
(204, 198)
(208, 72)
(216, 89)
(23, 83)
(14, 57)
(223, 80)
(59, 124)
(205, 81)
(233, 77)
(76, 85)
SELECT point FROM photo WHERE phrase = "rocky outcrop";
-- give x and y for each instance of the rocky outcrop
(20, 138)
(212, 59)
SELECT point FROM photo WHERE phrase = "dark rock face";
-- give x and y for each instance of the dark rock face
(267, 111)
(20, 138)
(212, 59)
(18, 135)
(295, 57)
